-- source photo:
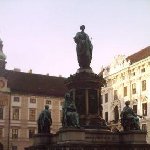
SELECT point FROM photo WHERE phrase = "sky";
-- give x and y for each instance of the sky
(38, 34)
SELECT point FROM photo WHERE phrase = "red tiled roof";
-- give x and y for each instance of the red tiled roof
(142, 54)
(35, 83)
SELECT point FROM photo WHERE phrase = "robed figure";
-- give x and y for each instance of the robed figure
(44, 121)
(70, 117)
(84, 48)
(129, 120)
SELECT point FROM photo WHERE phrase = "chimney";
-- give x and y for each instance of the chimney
(30, 71)
(17, 69)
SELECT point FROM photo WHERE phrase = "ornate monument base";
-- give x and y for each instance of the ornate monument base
(90, 139)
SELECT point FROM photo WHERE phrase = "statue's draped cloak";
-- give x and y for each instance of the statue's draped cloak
(84, 49)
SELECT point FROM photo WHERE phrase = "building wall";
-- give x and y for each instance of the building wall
(5, 113)
(4, 123)
(121, 73)
(23, 124)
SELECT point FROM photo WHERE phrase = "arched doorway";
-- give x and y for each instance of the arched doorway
(116, 114)
(1, 146)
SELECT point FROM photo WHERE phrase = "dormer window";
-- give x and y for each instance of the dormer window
(143, 70)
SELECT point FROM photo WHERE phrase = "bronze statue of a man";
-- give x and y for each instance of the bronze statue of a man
(44, 121)
(84, 48)
(129, 120)
(70, 115)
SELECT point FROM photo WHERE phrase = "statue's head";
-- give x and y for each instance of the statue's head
(67, 96)
(46, 107)
(82, 27)
(127, 103)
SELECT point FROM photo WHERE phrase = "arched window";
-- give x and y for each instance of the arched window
(116, 114)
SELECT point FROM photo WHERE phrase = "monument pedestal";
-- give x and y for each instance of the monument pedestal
(42, 139)
(84, 86)
(90, 139)
(70, 135)
(99, 136)
(132, 137)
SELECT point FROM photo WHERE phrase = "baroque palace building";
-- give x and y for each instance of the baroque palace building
(22, 97)
(127, 78)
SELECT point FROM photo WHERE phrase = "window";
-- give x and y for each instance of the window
(125, 91)
(15, 113)
(143, 85)
(116, 114)
(1, 113)
(48, 102)
(133, 88)
(32, 100)
(144, 109)
(101, 99)
(14, 147)
(133, 74)
(143, 70)
(106, 116)
(32, 113)
(144, 127)
(135, 109)
(115, 95)
(16, 99)
(106, 97)
(1, 132)
(14, 133)
(31, 132)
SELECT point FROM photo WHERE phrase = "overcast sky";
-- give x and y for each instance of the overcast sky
(38, 34)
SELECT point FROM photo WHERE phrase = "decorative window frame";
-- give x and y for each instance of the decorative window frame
(12, 113)
(11, 133)
(50, 105)
(13, 103)
(29, 115)
(32, 105)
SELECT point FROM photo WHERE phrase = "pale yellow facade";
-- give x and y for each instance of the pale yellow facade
(127, 81)
(20, 113)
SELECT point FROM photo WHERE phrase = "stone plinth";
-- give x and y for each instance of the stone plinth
(133, 137)
(102, 136)
(71, 135)
(96, 136)
(42, 139)
(91, 139)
